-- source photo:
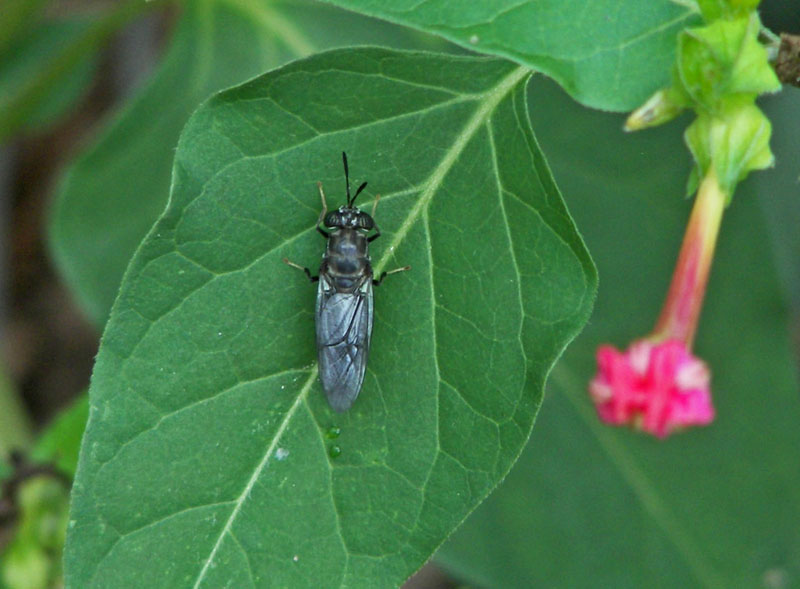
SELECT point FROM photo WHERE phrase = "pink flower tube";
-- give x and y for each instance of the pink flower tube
(658, 385)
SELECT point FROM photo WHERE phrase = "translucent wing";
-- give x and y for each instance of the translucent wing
(344, 327)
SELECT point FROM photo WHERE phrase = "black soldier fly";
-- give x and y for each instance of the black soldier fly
(344, 296)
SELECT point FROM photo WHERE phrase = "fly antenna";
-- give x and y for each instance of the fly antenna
(360, 188)
(350, 201)
(346, 177)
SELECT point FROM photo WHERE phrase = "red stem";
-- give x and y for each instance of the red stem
(681, 311)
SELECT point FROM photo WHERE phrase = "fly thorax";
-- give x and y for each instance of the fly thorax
(347, 243)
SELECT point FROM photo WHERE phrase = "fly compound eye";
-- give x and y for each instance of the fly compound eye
(364, 221)
(332, 219)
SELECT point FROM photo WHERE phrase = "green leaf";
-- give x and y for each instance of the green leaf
(723, 59)
(62, 61)
(32, 560)
(593, 506)
(717, 9)
(776, 191)
(19, 17)
(660, 108)
(713, 9)
(115, 190)
(60, 442)
(33, 557)
(734, 140)
(607, 54)
(24, 61)
(208, 455)
(15, 426)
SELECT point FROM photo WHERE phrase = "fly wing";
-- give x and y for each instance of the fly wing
(344, 327)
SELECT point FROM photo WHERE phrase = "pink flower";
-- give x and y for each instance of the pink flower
(656, 387)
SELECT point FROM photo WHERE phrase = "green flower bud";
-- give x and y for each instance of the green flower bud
(724, 59)
(734, 140)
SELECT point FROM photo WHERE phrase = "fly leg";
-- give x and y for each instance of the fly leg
(321, 217)
(320, 229)
(385, 274)
(303, 268)
(377, 234)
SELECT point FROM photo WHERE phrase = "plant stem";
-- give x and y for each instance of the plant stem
(681, 311)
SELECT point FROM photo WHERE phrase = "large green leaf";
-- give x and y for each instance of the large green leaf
(592, 506)
(115, 191)
(26, 59)
(19, 17)
(206, 459)
(778, 192)
(608, 54)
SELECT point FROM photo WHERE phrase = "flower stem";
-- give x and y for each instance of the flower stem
(681, 311)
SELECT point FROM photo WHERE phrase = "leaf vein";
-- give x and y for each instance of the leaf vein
(256, 473)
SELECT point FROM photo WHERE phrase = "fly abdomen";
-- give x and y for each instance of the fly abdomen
(342, 266)
(344, 328)
(344, 284)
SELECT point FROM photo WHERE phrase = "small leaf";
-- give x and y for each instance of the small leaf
(723, 59)
(607, 54)
(717, 9)
(15, 426)
(735, 141)
(660, 108)
(208, 455)
(32, 560)
(60, 441)
(713, 9)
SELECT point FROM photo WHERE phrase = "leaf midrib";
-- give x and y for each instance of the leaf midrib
(490, 99)
(490, 94)
(257, 473)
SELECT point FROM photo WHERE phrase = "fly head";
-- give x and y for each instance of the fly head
(350, 218)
